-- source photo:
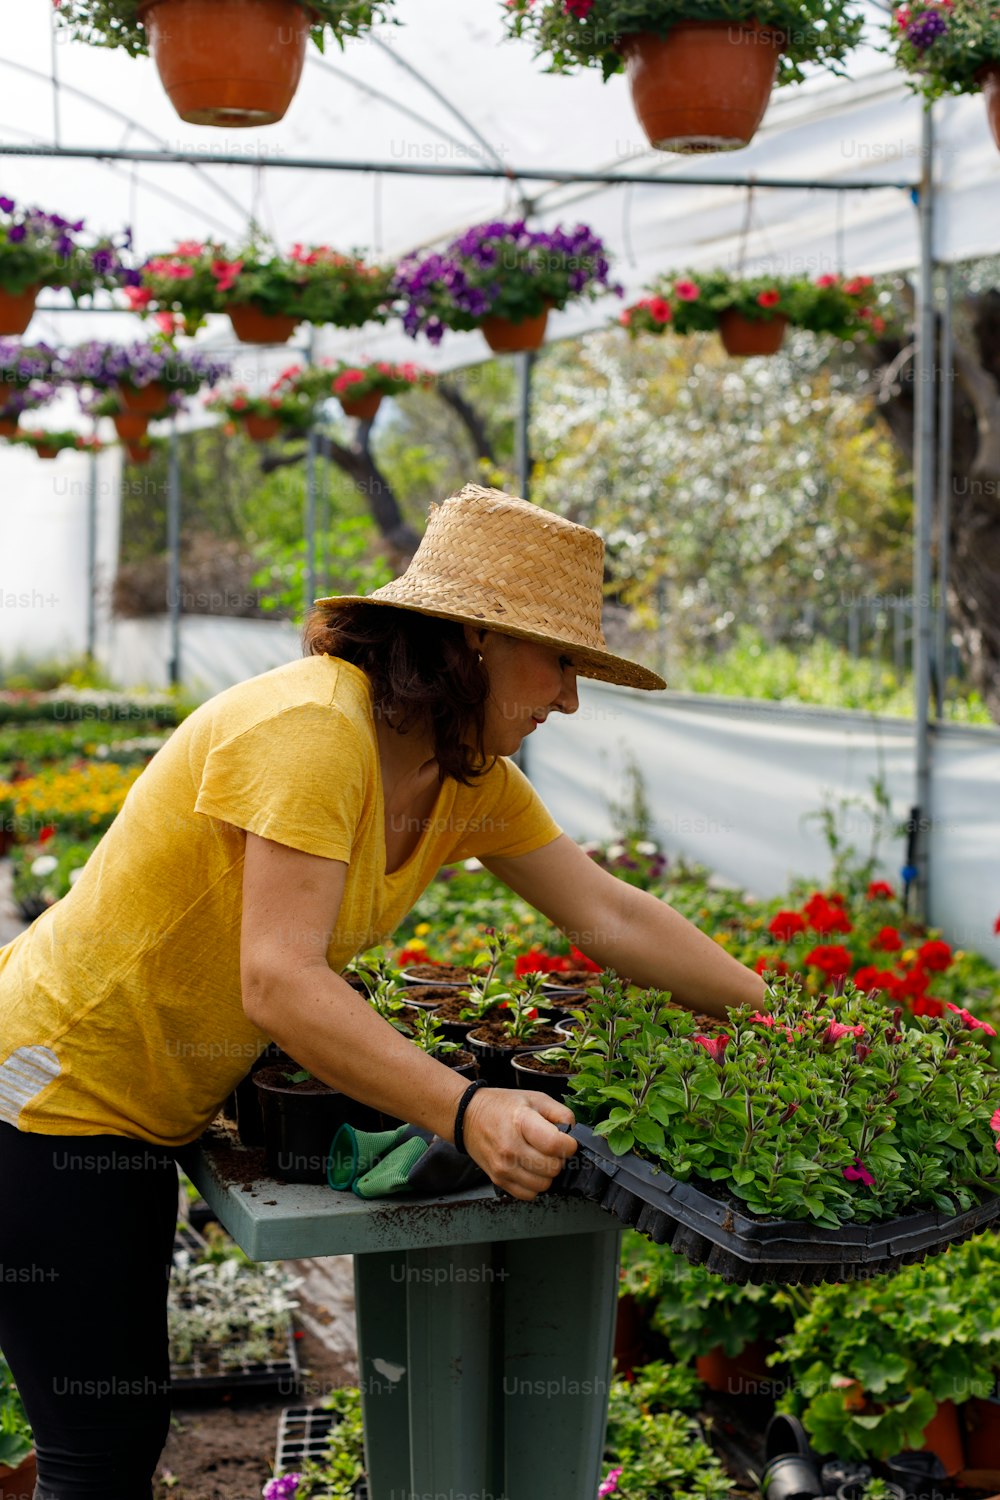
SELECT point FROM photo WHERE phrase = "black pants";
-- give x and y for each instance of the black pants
(86, 1233)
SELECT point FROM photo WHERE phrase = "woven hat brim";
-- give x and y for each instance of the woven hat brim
(603, 666)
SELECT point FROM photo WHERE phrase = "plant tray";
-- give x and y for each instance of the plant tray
(302, 1435)
(739, 1247)
(196, 1377)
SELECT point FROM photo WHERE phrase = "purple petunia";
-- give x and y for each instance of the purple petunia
(925, 30)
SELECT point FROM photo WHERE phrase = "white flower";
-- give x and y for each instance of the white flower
(614, 851)
(44, 864)
(472, 865)
(646, 846)
(74, 875)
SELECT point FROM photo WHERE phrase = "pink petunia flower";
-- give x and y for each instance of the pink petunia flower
(609, 1485)
(687, 291)
(859, 1173)
(715, 1046)
(970, 1022)
(837, 1029)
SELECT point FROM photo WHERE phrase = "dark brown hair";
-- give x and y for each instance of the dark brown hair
(421, 671)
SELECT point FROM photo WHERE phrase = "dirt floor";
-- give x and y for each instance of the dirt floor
(225, 1450)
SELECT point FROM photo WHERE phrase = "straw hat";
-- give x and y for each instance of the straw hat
(490, 559)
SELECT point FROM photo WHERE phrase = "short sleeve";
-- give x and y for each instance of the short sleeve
(504, 816)
(299, 777)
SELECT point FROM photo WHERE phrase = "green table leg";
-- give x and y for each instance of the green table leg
(561, 1300)
(427, 1318)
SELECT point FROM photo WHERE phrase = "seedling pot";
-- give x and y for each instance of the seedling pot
(556, 1085)
(301, 1120)
(496, 1062)
(918, 1474)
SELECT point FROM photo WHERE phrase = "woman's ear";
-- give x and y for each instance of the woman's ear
(475, 635)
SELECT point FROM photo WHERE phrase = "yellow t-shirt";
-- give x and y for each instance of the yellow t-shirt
(120, 1007)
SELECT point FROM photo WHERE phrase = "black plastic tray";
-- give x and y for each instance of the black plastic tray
(739, 1247)
(196, 1377)
(302, 1434)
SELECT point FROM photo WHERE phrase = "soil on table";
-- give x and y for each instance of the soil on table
(495, 1034)
(458, 1059)
(571, 979)
(557, 1069)
(280, 1078)
(451, 1010)
(438, 973)
(440, 993)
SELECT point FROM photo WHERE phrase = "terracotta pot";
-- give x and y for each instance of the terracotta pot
(147, 400)
(364, 408)
(8, 426)
(138, 453)
(228, 62)
(17, 310)
(505, 337)
(989, 77)
(43, 450)
(19, 1483)
(742, 335)
(943, 1436)
(251, 326)
(261, 429)
(705, 86)
(735, 1375)
(981, 1418)
(130, 425)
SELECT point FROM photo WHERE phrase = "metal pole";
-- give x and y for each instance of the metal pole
(923, 445)
(174, 551)
(310, 573)
(323, 524)
(92, 558)
(945, 411)
(523, 452)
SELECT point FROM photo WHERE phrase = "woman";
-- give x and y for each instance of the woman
(288, 824)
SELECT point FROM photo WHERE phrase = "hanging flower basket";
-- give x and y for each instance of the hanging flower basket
(363, 408)
(752, 312)
(39, 249)
(139, 451)
(251, 326)
(742, 335)
(700, 75)
(261, 429)
(141, 379)
(360, 388)
(989, 77)
(8, 425)
(504, 276)
(265, 293)
(286, 407)
(227, 63)
(507, 337)
(704, 86)
(951, 49)
(17, 310)
(130, 425)
(49, 444)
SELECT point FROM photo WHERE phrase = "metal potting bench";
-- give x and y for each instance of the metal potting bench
(485, 1327)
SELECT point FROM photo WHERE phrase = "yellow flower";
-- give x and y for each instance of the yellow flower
(909, 954)
(722, 938)
(422, 929)
(416, 943)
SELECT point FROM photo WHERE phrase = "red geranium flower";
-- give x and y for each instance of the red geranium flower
(47, 833)
(869, 978)
(786, 923)
(659, 309)
(578, 960)
(768, 299)
(934, 955)
(776, 965)
(913, 983)
(880, 888)
(825, 916)
(833, 959)
(888, 940)
(926, 1005)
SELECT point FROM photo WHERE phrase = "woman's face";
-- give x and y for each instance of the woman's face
(528, 681)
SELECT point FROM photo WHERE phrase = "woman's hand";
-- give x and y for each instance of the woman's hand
(512, 1134)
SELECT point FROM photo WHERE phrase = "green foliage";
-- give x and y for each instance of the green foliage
(350, 567)
(21, 674)
(803, 1111)
(816, 672)
(39, 879)
(694, 1309)
(15, 1429)
(725, 497)
(870, 1360)
(945, 47)
(694, 301)
(655, 1452)
(814, 31)
(336, 1475)
(115, 23)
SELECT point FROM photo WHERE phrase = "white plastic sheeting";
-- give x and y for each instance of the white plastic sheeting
(731, 783)
(214, 652)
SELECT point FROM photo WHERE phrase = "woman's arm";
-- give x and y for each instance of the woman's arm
(290, 906)
(628, 930)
